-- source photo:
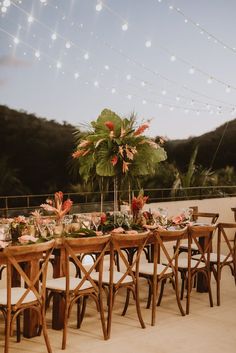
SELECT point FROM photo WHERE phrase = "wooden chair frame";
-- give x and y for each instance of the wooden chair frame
(14, 256)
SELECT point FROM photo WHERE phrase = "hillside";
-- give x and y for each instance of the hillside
(35, 152)
(179, 151)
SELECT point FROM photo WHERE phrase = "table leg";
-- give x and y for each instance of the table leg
(58, 307)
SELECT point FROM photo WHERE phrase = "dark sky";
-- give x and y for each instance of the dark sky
(175, 63)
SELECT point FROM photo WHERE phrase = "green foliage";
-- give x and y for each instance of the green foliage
(116, 147)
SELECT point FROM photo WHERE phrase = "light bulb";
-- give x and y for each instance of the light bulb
(98, 7)
(96, 84)
(148, 44)
(113, 90)
(209, 80)
(6, 3)
(58, 65)
(191, 70)
(37, 54)
(54, 36)
(30, 19)
(128, 77)
(144, 101)
(129, 96)
(86, 56)
(163, 92)
(68, 45)
(124, 27)
(16, 40)
(228, 89)
(173, 58)
(76, 75)
(106, 67)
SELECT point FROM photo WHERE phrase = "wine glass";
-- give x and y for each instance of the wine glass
(163, 215)
(128, 218)
(119, 218)
(96, 220)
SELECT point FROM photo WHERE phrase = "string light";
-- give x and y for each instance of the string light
(125, 27)
(68, 45)
(54, 36)
(37, 54)
(59, 65)
(6, 3)
(148, 44)
(146, 100)
(30, 19)
(86, 56)
(98, 7)
(16, 40)
(76, 75)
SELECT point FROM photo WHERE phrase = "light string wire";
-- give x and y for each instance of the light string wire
(122, 53)
(184, 61)
(62, 37)
(201, 28)
(135, 62)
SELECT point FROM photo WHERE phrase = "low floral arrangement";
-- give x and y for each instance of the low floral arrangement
(58, 207)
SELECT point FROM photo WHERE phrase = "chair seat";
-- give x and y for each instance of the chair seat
(147, 269)
(60, 283)
(183, 264)
(16, 294)
(116, 277)
(213, 257)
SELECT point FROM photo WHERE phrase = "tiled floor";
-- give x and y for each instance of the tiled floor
(210, 330)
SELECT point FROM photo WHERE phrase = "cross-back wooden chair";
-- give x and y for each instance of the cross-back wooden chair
(201, 237)
(204, 217)
(159, 271)
(72, 289)
(127, 277)
(227, 257)
(14, 300)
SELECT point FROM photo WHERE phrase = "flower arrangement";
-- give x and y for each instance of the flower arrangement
(137, 204)
(116, 147)
(57, 206)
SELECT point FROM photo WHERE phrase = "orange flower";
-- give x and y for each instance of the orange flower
(130, 151)
(109, 125)
(114, 160)
(77, 154)
(84, 143)
(80, 153)
(141, 129)
(125, 167)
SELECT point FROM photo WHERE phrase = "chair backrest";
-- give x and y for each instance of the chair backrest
(80, 246)
(162, 239)
(210, 216)
(201, 236)
(30, 273)
(128, 241)
(223, 235)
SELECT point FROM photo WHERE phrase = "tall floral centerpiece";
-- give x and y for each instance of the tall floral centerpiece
(116, 147)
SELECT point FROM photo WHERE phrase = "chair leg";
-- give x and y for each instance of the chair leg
(45, 333)
(163, 282)
(149, 295)
(7, 332)
(18, 334)
(80, 315)
(138, 309)
(126, 302)
(176, 286)
(183, 278)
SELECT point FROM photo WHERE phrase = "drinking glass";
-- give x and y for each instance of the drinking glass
(163, 215)
(119, 218)
(96, 220)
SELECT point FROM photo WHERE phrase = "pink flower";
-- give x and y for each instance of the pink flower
(24, 239)
(177, 219)
(141, 129)
(109, 125)
(114, 160)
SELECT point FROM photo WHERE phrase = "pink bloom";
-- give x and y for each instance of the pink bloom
(67, 205)
(141, 129)
(24, 239)
(114, 160)
(109, 125)
(177, 219)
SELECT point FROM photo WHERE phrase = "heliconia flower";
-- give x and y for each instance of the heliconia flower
(109, 125)
(49, 201)
(114, 160)
(77, 154)
(112, 134)
(121, 150)
(67, 205)
(122, 131)
(130, 151)
(125, 167)
(80, 153)
(141, 129)
(84, 143)
(103, 218)
(58, 196)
